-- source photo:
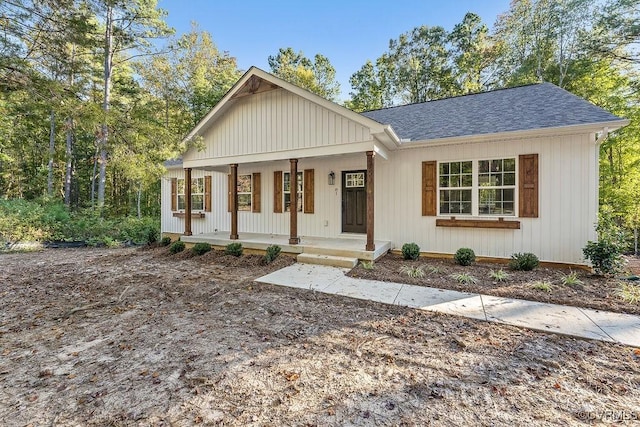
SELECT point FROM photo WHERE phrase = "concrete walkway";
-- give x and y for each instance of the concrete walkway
(559, 319)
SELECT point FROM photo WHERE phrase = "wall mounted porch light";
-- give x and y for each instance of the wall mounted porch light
(332, 178)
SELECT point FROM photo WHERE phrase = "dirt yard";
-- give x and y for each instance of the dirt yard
(593, 292)
(129, 337)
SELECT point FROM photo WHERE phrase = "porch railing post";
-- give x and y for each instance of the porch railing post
(234, 201)
(187, 201)
(293, 205)
(371, 246)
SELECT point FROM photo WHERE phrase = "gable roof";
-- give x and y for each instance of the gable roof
(256, 80)
(536, 106)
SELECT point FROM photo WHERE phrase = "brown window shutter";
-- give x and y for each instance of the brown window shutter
(429, 188)
(229, 201)
(256, 196)
(277, 191)
(207, 193)
(174, 194)
(308, 191)
(528, 186)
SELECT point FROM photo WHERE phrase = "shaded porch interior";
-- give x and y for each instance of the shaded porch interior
(347, 246)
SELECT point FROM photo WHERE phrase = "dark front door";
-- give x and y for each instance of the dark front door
(354, 202)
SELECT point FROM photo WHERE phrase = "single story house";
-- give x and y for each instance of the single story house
(506, 171)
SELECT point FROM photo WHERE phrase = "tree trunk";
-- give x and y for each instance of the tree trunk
(68, 173)
(139, 196)
(103, 138)
(52, 152)
(69, 162)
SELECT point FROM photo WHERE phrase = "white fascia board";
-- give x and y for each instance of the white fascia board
(301, 153)
(382, 151)
(520, 134)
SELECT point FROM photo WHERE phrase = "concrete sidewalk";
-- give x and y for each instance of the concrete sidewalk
(559, 319)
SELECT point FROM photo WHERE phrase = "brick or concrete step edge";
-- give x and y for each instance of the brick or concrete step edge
(334, 261)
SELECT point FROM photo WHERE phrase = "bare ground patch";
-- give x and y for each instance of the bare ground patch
(138, 337)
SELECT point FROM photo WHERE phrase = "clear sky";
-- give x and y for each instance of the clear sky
(348, 32)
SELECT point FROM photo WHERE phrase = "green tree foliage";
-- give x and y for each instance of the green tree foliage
(317, 76)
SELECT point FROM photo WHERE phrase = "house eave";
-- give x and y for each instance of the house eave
(519, 134)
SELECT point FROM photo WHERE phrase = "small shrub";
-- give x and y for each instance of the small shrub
(272, 253)
(464, 256)
(166, 241)
(201, 248)
(542, 286)
(605, 257)
(415, 272)
(629, 292)
(499, 276)
(524, 261)
(571, 279)
(410, 251)
(177, 246)
(234, 249)
(367, 265)
(464, 278)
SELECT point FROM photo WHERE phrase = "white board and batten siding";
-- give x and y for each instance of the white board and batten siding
(277, 121)
(567, 189)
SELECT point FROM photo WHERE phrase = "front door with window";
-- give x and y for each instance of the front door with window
(354, 202)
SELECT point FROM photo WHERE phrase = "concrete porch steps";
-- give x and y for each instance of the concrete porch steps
(330, 260)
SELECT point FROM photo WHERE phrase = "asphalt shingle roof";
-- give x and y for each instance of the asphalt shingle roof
(535, 106)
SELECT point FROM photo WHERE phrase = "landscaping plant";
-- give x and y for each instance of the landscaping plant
(464, 278)
(177, 246)
(542, 286)
(464, 256)
(271, 253)
(524, 261)
(165, 241)
(415, 272)
(629, 292)
(499, 276)
(234, 249)
(367, 265)
(410, 251)
(201, 248)
(571, 279)
(605, 255)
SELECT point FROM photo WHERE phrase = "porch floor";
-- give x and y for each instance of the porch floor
(344, 246)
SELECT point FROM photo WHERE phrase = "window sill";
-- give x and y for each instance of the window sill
(193, 215)
(478, 223)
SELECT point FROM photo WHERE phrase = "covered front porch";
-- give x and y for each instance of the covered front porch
(344, 246)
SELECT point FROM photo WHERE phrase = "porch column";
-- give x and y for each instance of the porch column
(371, 246)
(293, 206)
(187, 201)
(234, 201)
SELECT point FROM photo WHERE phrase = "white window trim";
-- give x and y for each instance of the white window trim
(178, 194)
(300, 194)
(250, 193)
(475, 202)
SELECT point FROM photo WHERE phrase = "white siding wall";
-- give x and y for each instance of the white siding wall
(567, 200)
(276, 121)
